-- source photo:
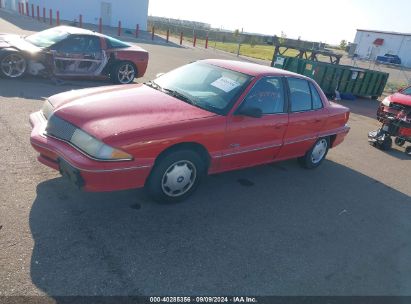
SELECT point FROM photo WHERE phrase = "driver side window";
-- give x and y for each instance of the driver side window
(79, 45)
(267, 95)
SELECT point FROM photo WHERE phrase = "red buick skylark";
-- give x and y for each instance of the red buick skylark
(203, 118)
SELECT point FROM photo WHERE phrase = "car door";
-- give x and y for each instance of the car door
(255, 140)
(78, 55)
(307, 115)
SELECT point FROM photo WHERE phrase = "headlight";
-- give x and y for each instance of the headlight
(96, 148)
(47, 109)
(386, 102)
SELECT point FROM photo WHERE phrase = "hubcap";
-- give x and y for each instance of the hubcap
(179, 178)
(319, 151)
(126, 73)
(13, 65)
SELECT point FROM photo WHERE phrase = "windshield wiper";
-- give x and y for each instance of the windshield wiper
(178, 95)
(153, 85)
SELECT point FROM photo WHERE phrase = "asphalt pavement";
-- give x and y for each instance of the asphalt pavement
(342, 229)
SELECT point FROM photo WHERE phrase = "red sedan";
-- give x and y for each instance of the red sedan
(66, 51)
(203, 118)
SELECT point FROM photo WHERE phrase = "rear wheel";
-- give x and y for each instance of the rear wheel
(12, 65)
(123, 72)
(386, 144)
(315, 156)
(175, 176)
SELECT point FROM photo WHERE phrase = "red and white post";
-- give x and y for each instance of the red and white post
(51, 16)
(137, 30)
(100, 25)
(58, 18)
(80, 19)
(119, 28)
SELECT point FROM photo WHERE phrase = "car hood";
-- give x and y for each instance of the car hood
(113, 110)
(17, 42)
(401, 99)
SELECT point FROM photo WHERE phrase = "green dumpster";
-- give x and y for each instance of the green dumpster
(335, 77)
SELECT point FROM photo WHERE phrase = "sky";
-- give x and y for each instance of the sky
(315, 20)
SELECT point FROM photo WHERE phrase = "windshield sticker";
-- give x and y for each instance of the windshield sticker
(225, 84)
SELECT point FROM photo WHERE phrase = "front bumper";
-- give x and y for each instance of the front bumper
(84, 172)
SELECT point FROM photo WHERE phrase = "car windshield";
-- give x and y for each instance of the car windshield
(204, 85)
(406, 91)
(47, 38)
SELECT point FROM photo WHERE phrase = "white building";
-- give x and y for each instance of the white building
(371, 44)
(129, 12)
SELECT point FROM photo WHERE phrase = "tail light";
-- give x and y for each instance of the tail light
(346, 116)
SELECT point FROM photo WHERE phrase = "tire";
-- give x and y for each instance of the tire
(399, 141)
(123, 72)
(12, 64)
(315, 156)
(175, 176)
(386, 144)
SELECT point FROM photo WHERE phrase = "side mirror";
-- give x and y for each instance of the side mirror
(251, 112)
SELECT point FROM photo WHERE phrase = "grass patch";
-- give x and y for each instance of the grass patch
(392, 87)
(259, 51)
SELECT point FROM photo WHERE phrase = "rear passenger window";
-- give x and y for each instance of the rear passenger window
(300, 95)
(113, 43)
(303, 95)
(317, 102)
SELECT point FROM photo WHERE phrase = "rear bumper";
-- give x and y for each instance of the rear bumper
(84, 172)
(340, 136)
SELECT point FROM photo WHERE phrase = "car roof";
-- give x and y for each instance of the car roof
(249, 68)
(78, 31)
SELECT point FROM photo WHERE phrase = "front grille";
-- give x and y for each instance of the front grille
(60, 128)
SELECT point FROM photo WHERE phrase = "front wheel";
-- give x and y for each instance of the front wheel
(123, 72)
(13, 65)
(386, 143)
(175, 176)
(314, 157)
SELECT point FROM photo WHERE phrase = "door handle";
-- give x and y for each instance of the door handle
(317, 120)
